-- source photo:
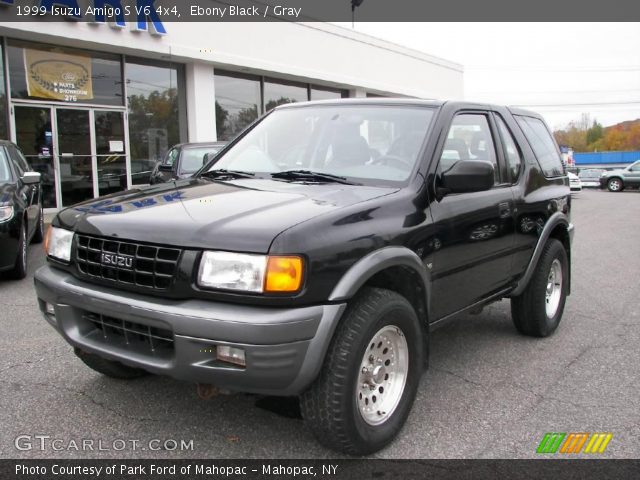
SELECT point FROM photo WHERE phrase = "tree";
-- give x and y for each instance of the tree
(595, 133)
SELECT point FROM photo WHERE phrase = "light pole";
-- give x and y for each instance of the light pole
(354, 4)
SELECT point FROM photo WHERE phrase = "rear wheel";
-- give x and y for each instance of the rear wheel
(538, 310)
(370, 376)
(19, 270)
(615, 185)
(109, 368)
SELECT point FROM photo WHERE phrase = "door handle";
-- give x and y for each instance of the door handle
(504, 210)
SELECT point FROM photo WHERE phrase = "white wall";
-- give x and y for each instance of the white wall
(319, 53)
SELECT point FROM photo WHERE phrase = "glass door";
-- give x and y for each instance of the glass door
(34, 136)
(110, 151)
(75, 156)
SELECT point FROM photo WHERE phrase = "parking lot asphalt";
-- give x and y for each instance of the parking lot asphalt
(489, 392)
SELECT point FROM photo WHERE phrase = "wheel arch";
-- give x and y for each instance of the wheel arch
(559, 227)
(394, 268)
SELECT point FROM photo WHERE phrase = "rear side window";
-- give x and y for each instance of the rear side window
(543, 145)
(511, 150)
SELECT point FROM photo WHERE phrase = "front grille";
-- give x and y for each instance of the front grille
(153, 341)
(150, 266)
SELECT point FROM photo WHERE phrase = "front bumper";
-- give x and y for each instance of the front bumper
(284, 347)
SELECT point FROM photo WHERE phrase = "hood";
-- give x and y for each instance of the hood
(240, 215)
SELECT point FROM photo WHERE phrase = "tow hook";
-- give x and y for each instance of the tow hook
(206, 391)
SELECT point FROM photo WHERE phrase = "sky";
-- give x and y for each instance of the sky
(560, 70)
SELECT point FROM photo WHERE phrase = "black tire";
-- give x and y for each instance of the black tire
(615, 185)
(38, 235)
(529, 310)
(19, 270)
(109, 368)
(330, 408)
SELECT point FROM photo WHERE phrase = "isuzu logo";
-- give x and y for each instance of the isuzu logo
(124, 261)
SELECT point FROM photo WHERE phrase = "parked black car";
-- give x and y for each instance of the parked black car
(21, 216)
(316, 253)
(183, 160)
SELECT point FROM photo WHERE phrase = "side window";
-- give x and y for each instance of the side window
(469, 138)
(543, 145)
(635, 167)
(5, 171)
(22, 160)
(19, 161)
(512, 152)
(171, 156)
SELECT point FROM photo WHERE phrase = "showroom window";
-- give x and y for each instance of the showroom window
(278, 93)
(241, 99)
(238, 103)
(318, 93)
(90, 77)
(157, 113)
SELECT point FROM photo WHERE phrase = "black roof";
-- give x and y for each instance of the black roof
(409, 101)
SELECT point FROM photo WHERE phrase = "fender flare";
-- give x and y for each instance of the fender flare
(558, 218)
(375, 262)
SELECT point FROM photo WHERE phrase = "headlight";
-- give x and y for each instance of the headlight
(58, 243)
(250, 273)
(6, 213)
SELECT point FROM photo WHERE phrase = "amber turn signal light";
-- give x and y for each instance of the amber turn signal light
(46, 240)
(284, 274)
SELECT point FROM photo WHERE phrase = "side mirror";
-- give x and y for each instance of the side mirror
(467, 176)
(31, 178)
(164, 167)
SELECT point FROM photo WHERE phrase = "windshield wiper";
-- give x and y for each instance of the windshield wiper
(311, 176)
(222, 172)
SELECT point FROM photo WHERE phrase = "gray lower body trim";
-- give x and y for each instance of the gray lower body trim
(284, 347)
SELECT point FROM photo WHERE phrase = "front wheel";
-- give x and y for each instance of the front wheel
(370, 376)
(538, 310)
(615, 185)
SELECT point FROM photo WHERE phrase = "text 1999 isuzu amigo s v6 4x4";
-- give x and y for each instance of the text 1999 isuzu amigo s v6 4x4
(313, 256)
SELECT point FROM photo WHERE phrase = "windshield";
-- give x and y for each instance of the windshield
(193, 158)
(5, 173)
(364, 143)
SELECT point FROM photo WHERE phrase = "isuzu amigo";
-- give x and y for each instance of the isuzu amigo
(315, 254)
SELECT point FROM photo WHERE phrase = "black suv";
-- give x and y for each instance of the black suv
(316, 253)
(21, 216)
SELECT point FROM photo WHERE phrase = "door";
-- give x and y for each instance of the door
(34, 136)
(111, 160)
(28, 193)
(473, 232)
(632, 176)
(74, 152)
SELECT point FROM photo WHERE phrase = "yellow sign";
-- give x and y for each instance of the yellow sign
(58, 76)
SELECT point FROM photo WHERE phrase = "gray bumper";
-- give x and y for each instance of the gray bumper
(284, 347)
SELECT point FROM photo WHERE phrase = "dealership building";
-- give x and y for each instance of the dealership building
(94, 106)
